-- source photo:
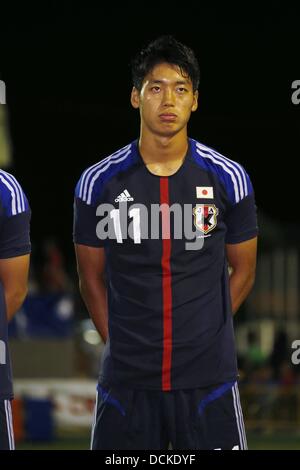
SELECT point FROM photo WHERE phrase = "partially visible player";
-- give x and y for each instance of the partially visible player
(14, 267)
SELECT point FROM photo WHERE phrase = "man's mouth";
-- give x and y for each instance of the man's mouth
(168, 116)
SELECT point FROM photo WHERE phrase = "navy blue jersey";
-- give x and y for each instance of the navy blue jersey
(170, 317)
(14, 241)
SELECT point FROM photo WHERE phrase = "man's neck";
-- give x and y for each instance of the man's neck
(163, 155)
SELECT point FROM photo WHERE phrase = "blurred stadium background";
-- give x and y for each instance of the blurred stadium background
(67, 83)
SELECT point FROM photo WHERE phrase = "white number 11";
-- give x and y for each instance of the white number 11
(133, 214)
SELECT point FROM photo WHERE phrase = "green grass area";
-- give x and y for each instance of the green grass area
(274, 441)
(255, 442)
(61, 444)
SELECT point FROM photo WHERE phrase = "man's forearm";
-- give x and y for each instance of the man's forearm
(14, 300)
(240, 287)
(94, 294)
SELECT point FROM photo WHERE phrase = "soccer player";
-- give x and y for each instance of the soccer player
(14, 266)
(157, 286)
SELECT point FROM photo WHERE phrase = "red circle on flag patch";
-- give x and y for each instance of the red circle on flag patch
(204, 191)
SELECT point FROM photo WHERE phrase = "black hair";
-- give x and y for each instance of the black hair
(165, 49)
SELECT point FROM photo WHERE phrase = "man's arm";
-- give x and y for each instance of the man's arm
(14, 278)
(91, 267)
(242, 260)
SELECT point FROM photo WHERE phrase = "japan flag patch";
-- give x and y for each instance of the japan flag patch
(205, 192)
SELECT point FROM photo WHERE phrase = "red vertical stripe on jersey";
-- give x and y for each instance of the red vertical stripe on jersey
(166, 285)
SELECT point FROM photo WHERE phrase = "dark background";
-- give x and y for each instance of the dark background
(66, 68)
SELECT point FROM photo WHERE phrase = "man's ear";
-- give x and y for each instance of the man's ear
(195, 101)
(135, 98)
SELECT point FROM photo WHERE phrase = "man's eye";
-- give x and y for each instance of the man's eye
(155, 89)
(181, 89)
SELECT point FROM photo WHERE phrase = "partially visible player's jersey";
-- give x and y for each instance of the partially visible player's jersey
(14, 241)
(169, 307)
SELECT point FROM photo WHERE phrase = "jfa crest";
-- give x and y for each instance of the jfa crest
(205, 217)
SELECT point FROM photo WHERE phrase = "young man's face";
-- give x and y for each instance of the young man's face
(166, 100)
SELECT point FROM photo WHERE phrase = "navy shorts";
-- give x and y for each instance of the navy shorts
(6, 427)
(205, 419)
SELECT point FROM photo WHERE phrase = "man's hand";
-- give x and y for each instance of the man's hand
(242, 260)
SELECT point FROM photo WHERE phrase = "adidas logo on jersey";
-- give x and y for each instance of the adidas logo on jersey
(124, 196)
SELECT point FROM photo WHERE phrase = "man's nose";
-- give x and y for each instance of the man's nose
(168, 97)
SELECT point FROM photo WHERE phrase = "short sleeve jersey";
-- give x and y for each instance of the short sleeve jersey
(14, 241)
(170, 316)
